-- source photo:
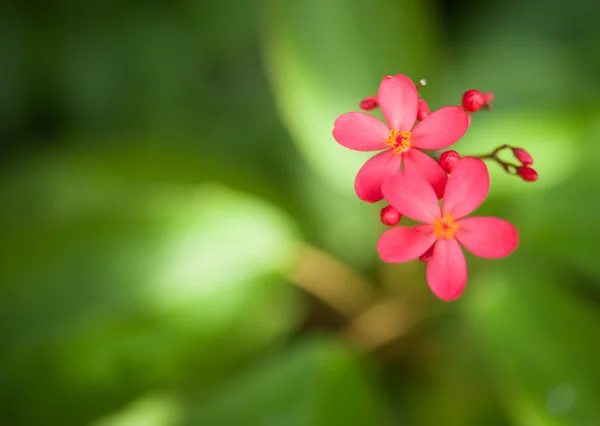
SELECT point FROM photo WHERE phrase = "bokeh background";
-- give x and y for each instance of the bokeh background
(181, 243)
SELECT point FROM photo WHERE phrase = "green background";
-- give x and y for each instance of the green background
(181, 243)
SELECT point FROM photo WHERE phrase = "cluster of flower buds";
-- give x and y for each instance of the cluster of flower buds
(523, 169)
(412, 182)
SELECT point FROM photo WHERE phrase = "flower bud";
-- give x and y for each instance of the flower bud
(390, 216)
(473, 100)
(427, 255)
(527, 173)
(369, 103)
(449, 160)
(523, 156)
(488, 97)
(423, 111)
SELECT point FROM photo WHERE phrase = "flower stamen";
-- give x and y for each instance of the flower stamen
(445, 227)
(399, 141)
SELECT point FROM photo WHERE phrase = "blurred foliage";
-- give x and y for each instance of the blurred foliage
(166, 167)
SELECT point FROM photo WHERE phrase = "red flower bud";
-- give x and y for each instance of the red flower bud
(473, 100)
(423, 111)
(427, 255)
(527, 173)
(488, 97)
(390, 216)
(369, 103)
(523, 156)
(449, 160)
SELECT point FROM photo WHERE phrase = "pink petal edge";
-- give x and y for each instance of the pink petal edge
(447, 270)
(412, 196)
(467, 187)
(441, 128)
(360, 132)
(420, 163)
(487, 237)
(373, 173)
(403, 244)
(399, 102)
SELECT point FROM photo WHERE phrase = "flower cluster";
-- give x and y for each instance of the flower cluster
(413, 182)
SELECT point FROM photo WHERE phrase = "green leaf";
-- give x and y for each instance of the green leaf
(317, 382)
(540, 345)
(561, 223)
(543, 135)
(112, 288)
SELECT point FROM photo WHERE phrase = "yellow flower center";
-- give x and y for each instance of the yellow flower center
(444, 227)
(399, 141)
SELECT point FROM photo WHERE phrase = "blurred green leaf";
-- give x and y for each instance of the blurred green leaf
(112, 288)
(543, 135)
(318, 382)
(530, 58)
(524, 70)
(452, 375)
(154, 409)
(540, 343)
(562, 223)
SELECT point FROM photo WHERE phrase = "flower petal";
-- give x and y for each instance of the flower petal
(403, 244)
(412, 196)
(467, 187)
(360, 132)
(487, 237)
(373, 173)
(418, 162)
(440, 129)
(399, 102)
(447, 270)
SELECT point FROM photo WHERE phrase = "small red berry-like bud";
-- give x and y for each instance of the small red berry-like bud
(369, 103)
(488, 97)
(427, 255)
(473, 100)
(527, 173)
(390, 216)
(523, 156)
(449, 160)
(423, 111)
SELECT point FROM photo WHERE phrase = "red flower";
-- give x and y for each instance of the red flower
(399, 102)
(445, 227)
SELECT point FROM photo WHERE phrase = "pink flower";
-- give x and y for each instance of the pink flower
(445, 227)
(399, 103)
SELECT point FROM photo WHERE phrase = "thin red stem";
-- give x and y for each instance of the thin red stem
(510, 168)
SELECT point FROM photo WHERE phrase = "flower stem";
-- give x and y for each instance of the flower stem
(372, 319)
(510, 168)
